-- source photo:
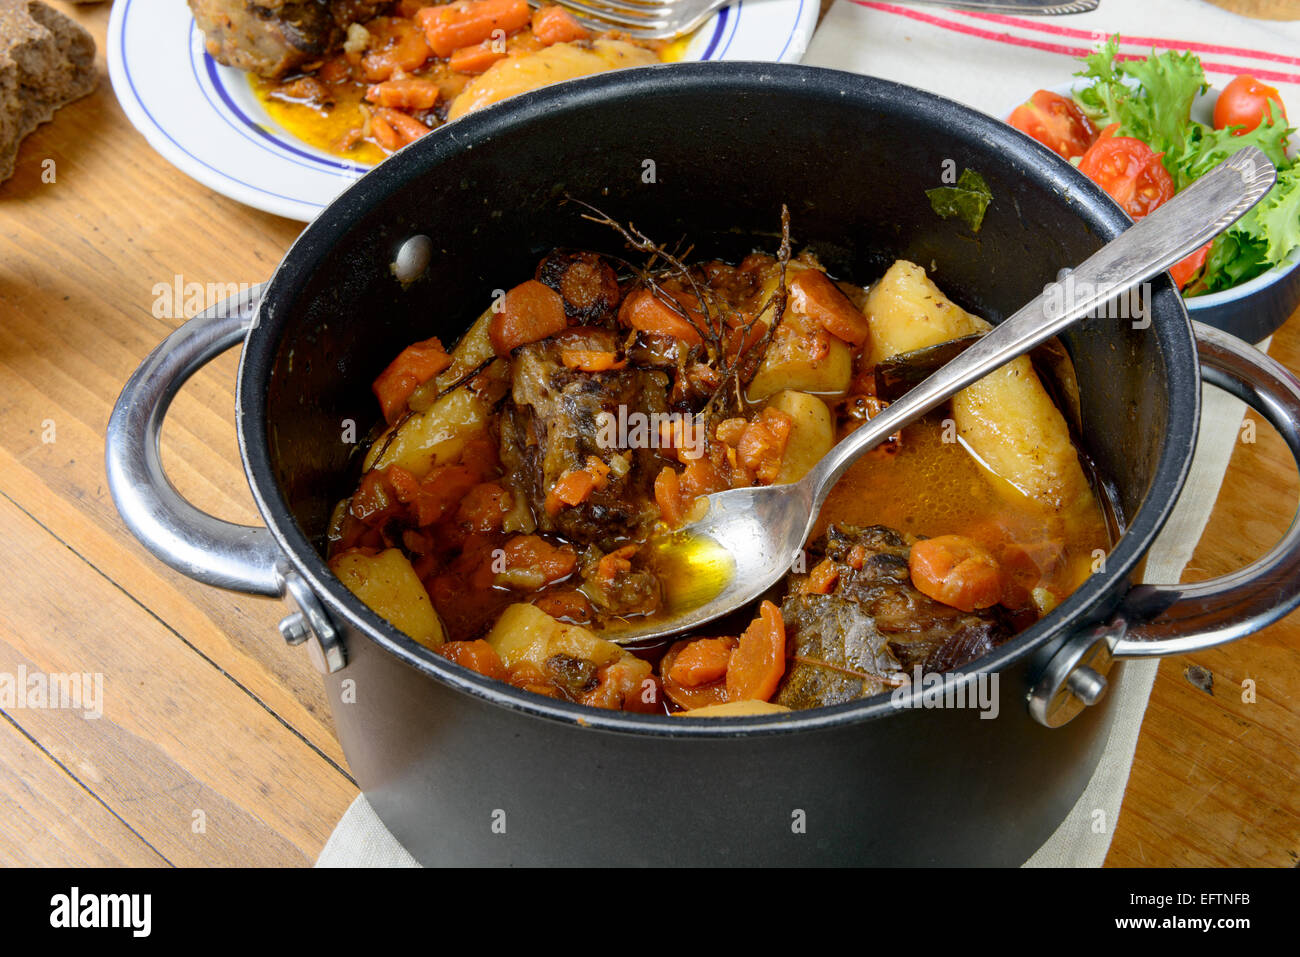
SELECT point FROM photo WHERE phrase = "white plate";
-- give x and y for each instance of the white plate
(204, 119)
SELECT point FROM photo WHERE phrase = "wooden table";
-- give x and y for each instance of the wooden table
(216, 745)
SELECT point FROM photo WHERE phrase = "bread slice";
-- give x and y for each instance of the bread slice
(46, 60)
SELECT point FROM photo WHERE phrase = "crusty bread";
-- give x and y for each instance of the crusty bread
(46, 60)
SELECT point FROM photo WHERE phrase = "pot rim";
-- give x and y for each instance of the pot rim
(1094, 207)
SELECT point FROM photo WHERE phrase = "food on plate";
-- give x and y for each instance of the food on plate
(361, 79)
(1129, 127)
(506, 504)
(272, 37)
(46, 61)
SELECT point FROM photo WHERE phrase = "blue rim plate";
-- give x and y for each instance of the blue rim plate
(204, 119)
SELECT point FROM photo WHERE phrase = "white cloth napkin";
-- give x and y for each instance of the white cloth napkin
(992, 63)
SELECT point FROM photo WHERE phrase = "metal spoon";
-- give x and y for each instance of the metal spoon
(749, 538)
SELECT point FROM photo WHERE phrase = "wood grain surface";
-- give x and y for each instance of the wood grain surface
(215, 746)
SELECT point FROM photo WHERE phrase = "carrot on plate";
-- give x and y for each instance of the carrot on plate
(408, 94)
(396, 44)
(405, 128)
(473, 60)
(757, 664)
(530, 312)
(414, 365)
(554, 24)
(448, 27)
(668, 496)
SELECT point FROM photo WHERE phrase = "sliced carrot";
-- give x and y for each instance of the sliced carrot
(448, 27)
(414, 365)
(644, 311)
(476, 59)
(530, 312)
(385, 135)
(702, 661)
(408, 94)
(956, 571)
(822, 579)
(396, 44)
(407, 128)
(484, 507)
(814, 294)
(668, 496)
(535, 553)
(700, 477)
(763, 443)
(691, 697)
(567, 604)
(476, 656)
(856, 558)
(615, 563)
(554, 24)
(758, 662)
(572, 488)
(591, 360)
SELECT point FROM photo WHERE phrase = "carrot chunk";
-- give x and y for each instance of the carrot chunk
(757, 664)
(408, 94)
(476, 656)
(554, 24)
(448, 27)
(530, 312)
(956, 571)
(702, 661)
(814, 294)
(668, 496)
(414, 365)
(476, 59)
(644, 311)
(591, 360)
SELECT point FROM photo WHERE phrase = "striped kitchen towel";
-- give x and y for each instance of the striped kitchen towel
(993, 62)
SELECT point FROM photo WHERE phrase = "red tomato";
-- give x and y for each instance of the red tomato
(1127, 169)
(1185, 270)
(1243, 103)
(1055, 122)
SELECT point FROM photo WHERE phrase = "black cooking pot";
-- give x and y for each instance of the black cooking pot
(466, 770)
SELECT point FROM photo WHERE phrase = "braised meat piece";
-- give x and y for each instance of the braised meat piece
(874, 627)
(272, 37)
(552, 424)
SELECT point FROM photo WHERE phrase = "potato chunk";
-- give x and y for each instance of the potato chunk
(801, 355)
(436, 437)
(529, 71)
(1007, 418)
(812, 433)
(526, 634)
(389, 587)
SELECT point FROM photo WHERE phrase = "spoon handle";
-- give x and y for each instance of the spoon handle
(1182, 225)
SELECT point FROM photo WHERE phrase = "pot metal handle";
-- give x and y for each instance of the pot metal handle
(205, 548)
(1159, 620)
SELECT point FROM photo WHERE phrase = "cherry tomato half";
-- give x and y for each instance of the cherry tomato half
(1056, 122)
(1185, 270)
(1129, 171)
(1243, 103)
